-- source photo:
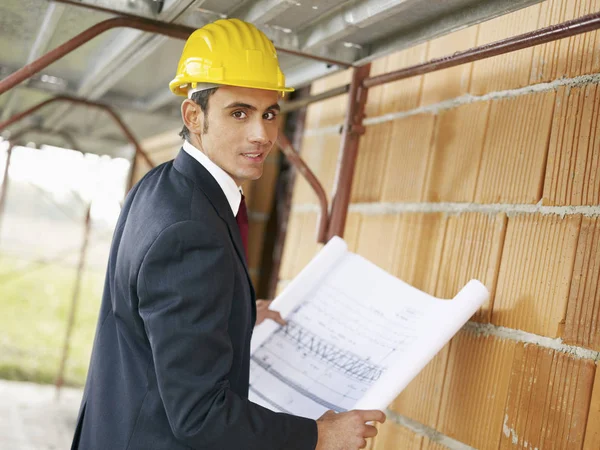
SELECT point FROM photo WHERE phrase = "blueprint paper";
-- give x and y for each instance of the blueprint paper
(355, 337)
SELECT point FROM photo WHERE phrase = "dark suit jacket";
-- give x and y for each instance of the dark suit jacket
(170, 364)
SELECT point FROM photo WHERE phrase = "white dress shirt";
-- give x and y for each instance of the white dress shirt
(231, 190)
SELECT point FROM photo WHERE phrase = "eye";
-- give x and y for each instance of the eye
(269, 115)
(239, 115)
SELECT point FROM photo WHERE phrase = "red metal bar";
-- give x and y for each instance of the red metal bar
(60, 378)
(583, 24)
(151, 26)
(78, 101)
(300, 165)
(36, 66)
(348, 151)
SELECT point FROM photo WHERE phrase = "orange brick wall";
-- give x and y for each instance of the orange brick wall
(481, 171)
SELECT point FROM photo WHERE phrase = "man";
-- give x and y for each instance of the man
(170, 364)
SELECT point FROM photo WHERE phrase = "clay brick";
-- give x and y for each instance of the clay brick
(394, 436)
(418, 249)
(431, 445)
(377, 239)
(311, 153)
(409, 150)
(592, 433)
(331, 111)
(472, 249)
(511, 70)
(256, 238)
(307, 246)
(583, 311)
(573, 168)
(421, 399)
(456, 154)
(453, 82)
(292, 242)
(371, 163)
(374, 94)
(548, 400)
(262, 194)
(514, 153)
(568, 57)
(330, 148)
(535, 273)
(400, 95)
(475, 388)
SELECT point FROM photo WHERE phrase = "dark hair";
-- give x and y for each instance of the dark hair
(201, 99)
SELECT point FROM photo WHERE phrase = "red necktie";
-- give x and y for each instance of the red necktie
(242, 221)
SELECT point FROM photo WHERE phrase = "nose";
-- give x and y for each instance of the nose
(258, 133)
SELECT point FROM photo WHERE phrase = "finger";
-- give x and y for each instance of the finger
(370, 431)
(372, 415)
(276, 316)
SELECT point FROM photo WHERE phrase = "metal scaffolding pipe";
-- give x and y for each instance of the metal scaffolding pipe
(353, 128)
(301, 167)
(584, 24)
(78, 101)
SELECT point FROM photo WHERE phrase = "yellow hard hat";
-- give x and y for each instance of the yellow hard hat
(231, 52)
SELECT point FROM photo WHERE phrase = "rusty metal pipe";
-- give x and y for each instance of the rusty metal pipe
(583, 24)
(301, 167)
(353, 128)
(78, 101)
(36, 66)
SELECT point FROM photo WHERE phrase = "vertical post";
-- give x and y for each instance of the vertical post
(353, 128)
(60, 378)
(4, 188)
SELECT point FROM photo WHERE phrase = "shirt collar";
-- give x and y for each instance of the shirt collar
(232, 191)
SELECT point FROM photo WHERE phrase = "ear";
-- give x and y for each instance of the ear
(192, 116)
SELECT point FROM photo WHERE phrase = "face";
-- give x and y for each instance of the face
(242, 129)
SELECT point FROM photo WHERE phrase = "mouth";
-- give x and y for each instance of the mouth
(255, 157)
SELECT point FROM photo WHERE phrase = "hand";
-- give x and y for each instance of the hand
(263, 312)
(347, 431)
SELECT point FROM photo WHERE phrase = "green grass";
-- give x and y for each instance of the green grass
(35, 301)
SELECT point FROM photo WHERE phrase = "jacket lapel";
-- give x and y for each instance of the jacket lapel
(191, 168)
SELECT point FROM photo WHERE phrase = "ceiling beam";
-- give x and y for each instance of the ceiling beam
(335, 28)
(262, 11)
(51, 18)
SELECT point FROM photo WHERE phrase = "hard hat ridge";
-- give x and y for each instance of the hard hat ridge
(228, 52)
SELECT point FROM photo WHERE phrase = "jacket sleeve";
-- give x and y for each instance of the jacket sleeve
(185, 288)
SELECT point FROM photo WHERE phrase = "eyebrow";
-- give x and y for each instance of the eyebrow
(274, 106)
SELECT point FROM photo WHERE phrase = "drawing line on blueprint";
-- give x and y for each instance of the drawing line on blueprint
(268, 400)
(297, 387)
(348, 363)
(391, 333)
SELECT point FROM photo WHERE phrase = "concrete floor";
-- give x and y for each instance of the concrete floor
(32, 418)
